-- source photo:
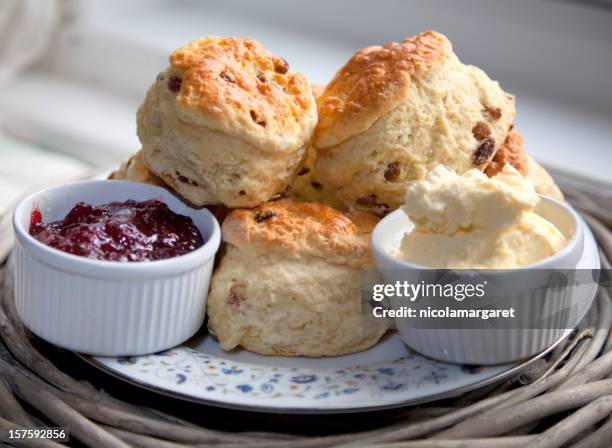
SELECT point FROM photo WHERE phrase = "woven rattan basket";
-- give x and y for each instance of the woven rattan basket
(562, 400)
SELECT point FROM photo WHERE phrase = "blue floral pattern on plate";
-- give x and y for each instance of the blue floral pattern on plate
(228, 379)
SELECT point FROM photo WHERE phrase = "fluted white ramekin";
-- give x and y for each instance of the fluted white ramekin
(527, 286)
(108, 308)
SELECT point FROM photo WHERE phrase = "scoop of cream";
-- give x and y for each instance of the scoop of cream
(472, 221)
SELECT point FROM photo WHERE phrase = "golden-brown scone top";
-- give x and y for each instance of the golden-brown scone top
(511, 151)
(373, 82)
(303, 228)
(238, 87)
(395, 112)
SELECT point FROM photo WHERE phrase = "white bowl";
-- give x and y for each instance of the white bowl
(527, 286)
(109, 308)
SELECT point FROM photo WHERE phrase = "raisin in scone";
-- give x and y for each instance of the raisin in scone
(290, 281)
(393, 112)
(227, 122)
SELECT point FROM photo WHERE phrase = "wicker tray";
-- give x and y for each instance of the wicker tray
(562, 400)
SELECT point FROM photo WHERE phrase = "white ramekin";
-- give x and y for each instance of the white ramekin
(109, 308)
(491, 345)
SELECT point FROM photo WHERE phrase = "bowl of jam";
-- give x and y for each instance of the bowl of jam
(112, 268)
(125, 231)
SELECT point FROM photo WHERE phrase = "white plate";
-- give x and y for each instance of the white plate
(385, 376)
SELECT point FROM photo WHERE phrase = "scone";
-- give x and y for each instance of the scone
(308, 186)
(135, 169)
(513, 152)
(290, 281)
(227, 122)
(393, 112)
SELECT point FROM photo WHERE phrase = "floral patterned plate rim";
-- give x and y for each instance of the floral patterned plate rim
(385, 376)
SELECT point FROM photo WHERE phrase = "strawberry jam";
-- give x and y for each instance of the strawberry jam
(120, 231)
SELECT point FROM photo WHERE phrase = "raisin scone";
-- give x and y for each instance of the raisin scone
(393, 112)
(513, 152)
(290, 281)
(308, 186)
(227, 122)
(135, 169)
